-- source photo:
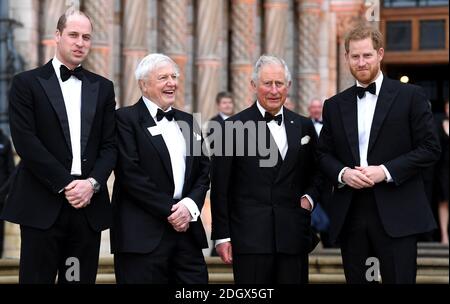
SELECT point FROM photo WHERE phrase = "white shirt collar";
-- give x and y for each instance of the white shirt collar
(378, 83)
(56, 65)
(224, 117)
(153, 107)
(263, 111)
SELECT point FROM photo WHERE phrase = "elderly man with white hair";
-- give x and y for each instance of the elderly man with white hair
(160, 187)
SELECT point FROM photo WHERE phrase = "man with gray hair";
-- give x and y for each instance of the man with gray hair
(161, 184)
(261, 214)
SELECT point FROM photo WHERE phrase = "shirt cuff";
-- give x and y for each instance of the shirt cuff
(192, 207)
(310, 200)
(220, 241)
(388, 175)
(341, 183)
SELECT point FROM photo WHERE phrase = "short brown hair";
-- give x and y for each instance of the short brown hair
(62, 21)
(363, 31)
(221, 95)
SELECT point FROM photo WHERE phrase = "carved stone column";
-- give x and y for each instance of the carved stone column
(52, 10)
(102, 14)
(243, 15)
(208, 61)
(173, 32)
(308, 51)
(275, 26)
(347, 15)
(134, 47)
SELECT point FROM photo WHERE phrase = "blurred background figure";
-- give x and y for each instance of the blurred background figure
(6, 170)
(442, 180)
(315, 113)
(319, 218)
(225, 106)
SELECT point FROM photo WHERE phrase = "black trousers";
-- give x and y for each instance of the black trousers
(363, 236)
(176, 260)
(274, 268)
(69, 249)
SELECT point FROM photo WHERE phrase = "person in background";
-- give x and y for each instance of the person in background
(6, 172)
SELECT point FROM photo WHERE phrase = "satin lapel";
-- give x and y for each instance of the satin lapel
(293, 135)
(384, 102)
(50, 83)
(89, 98)
(146, 121)
(349, 110)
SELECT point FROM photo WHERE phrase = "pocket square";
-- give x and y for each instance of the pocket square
(154, 130)
(305, 140)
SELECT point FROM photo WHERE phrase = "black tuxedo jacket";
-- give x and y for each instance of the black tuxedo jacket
(259, 207)
(401, 137)
(144, 186)
(40, 132)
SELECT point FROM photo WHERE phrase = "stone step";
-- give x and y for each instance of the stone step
(227, 278)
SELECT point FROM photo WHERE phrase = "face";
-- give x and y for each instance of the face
(364, 61)
(271, 88)
(226, 106)
(74, 42)
(315, 109)
(446, 108)
(161, 85)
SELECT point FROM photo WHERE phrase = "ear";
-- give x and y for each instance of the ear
(381, 53)
(253, 84)
(57, 36)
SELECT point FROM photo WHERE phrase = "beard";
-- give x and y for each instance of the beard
(365, 76)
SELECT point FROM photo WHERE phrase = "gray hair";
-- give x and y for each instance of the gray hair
(151, 62)
(266, 60)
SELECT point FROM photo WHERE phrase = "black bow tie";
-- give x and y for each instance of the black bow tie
(318, 121)
(168, 115)
(269, 117)
(371, 88)
(66, 73)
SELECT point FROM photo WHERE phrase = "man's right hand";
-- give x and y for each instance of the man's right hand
(356, 179)
(225, 253)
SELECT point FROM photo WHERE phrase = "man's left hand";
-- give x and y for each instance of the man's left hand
(375, 173)
(180, 217)
(79, 193)
(305, 204)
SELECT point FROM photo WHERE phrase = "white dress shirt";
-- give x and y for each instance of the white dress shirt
(318, 126)
(71, 91)
(172, 137)
(278, 131)
(366, 110)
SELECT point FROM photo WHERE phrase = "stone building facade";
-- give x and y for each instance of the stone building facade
(214, 42)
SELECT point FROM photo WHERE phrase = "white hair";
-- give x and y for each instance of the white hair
(266, 60)
(151, 62)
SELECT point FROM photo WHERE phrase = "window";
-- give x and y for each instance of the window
(432, 34)
(398, 35)
(414, 3)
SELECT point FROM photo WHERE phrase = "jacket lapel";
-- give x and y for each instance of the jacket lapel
(293, 135)
(349, 111)
(146, 121)
(89, 98)
(50, 84)
(384, 102)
